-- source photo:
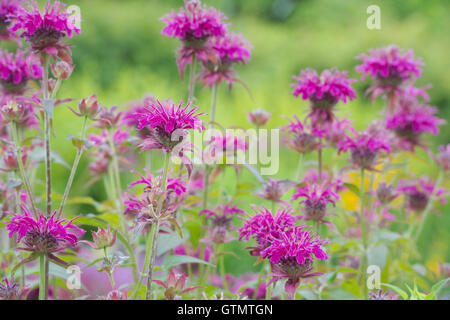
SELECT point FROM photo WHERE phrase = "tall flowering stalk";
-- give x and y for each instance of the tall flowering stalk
(194, 25)
(166, 124)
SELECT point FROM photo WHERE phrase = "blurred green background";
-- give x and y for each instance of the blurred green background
(121, 55)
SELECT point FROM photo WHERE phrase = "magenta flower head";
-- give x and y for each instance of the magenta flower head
(258, 117)
(221, 221)
(443, 157)
(337, 130)
(167, 124)
(365, 148)
(45, 234)
(194, 25)
(8, 11)
(389, 68)
(16, 69)
(301, 137)
(316, 199)
(264, 225)
(291, 256)
(44, 31)
(409, 123)
(385, 193)
(10, 290)
(231, 49)
(418, 193)
(323, 91)
(20, 111)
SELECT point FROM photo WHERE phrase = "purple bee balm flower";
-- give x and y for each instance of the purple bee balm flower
(385, 194)
(45, 30)
(8, 11)
(194, 25)
(221, 221)
(443, 157)
(302, 138)
(410, 122)
(323, 92)
(167, 124)
(10, 290)
(291, 256)
(19, 110)
(264, 225)
(389, 68)
(380, 295)
(231, 49)
(418, 193)
(317, 197)
(16, 69)
(337, 130)
(45, 234)
(258, 117)
(311, 176)
(273, 190)
(365, 147)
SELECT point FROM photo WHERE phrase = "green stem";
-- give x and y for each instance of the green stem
(116, 171)
(23, 175)
(299, 166)
(222, 269)
(154, 244)
(364, 236)
(42, 277)
(73, 170)
(260, 276)
(191, 85)
(213, 104)
(319, 152)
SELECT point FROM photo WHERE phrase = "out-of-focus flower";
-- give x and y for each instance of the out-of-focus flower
(186, 249)
(103, 238)
(10, 290)
(221, 222)
(443, 157)
(115, 295)
(335, 183)
(385, 193)
(107, 117)
(418, 193)
(380, 295)
(317, 197)
(273, 190)
(44, 31)
(258, 117)
(194, 25)
(167, 124)
(175, 286)
(389, 68)
(365, 148)
(8, 11)
(337, 130)
(301, 137)
(19, 110)
(231, 49)
(323, 92)
(410, 123)
(9, 159)
(17, 69)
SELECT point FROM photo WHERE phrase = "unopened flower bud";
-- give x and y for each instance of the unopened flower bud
(62, 70)
(88, 107)
(258, 117)
(12, 111)
(104, 238)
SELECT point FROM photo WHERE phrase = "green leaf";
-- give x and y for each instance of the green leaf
(175, 260)
(396, 289)
(436, 288)
(353, 188)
